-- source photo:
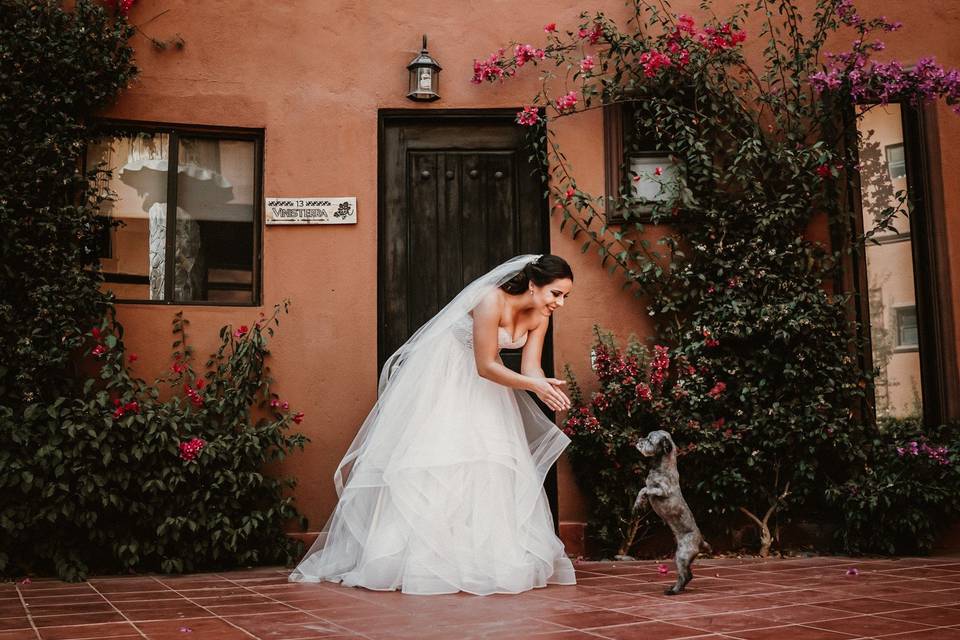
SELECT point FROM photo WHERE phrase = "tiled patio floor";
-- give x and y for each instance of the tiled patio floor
(750, 599)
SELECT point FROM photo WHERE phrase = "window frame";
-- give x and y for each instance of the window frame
(114, 126)
(939, 375)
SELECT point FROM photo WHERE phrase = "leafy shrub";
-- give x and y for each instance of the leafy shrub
(905, 494)
(118, 479)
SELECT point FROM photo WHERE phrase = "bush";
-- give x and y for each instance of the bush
(905, 495)
(118, 480)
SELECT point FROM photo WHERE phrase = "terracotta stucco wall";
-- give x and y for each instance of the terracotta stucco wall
(313, 75)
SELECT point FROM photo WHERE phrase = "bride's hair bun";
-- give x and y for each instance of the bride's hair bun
(540, 272)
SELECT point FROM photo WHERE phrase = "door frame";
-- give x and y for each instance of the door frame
(398, 117)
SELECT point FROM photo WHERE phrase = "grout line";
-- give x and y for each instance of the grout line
(197, 604)
(122, 614)
(26, 611)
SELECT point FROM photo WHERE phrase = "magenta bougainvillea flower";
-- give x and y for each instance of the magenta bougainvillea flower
(529, 116)
(190, 449)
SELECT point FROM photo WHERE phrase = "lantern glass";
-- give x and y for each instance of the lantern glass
(423, 83)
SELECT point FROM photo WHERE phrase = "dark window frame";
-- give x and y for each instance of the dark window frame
(113, 126)
(939, 375)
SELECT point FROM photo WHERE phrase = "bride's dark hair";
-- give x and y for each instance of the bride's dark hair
(541, 271)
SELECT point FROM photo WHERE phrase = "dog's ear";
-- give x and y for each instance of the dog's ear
(665, 445)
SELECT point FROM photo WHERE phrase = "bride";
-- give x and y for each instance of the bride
(442, 488)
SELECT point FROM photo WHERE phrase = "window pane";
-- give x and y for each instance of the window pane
(138, 187)
(907, 327)
(896, 164)
(215, 207)
(889, 264)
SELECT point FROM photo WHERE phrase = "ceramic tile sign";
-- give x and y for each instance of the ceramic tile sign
(311, 211)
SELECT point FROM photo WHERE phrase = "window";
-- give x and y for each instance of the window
(634, 166)
(203, 250)
(906, 320)
(902, 275)
(896, 162)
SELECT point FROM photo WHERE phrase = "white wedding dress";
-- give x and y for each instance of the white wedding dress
(444, 491)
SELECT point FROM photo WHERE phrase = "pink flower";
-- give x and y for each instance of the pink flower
(242, 331)
(551, 27)
(525, 52)
(123, 6)
(274, 403)
(99, 350)
(643, 391)
(190, 449)
(491, 69)
(570, 193)
(658, 171)
(529, 116)
(201, 383)
(853, 571)
(133, 406)
(587, 64)
(133, 358)
(96, 333)
(284, 405)
(298, 418)
(662, 569)
(567, 102)
(25, 581)
(717, 390)
(823, 170)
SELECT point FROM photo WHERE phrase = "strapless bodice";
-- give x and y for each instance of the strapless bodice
(463, 330)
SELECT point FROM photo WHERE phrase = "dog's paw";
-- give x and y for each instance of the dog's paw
(672, 591)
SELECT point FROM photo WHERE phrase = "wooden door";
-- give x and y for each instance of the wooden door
(458, 195)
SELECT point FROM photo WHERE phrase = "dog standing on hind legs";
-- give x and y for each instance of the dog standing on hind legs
(662, 491)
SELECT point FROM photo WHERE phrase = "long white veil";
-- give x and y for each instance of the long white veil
(403, 393)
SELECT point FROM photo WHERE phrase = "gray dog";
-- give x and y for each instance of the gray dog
(663, 492)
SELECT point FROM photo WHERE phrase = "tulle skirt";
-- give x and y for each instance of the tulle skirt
(446, 493)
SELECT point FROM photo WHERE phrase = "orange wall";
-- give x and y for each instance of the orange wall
(313, 75)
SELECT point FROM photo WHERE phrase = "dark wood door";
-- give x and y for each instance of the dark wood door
(458, 196)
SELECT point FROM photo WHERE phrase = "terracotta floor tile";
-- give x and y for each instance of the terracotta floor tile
(941, 616)
(91, 631)
(723, 622)
(20, 634)
(933, 634)
(59, 609)
(124, 585)
(592, 619)
(946, 597)
(145, 596)
(235, 609)
(790, 632)
(77, 618)
(198, 628)
(648, 631)
(288, 625)
(869, 625)
(14, 622)
(867, 605)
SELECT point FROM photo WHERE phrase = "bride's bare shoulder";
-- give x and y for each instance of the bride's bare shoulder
(491, 302)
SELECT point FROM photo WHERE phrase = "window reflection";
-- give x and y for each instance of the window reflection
(889, 265)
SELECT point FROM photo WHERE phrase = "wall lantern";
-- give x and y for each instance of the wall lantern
(424, 76)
